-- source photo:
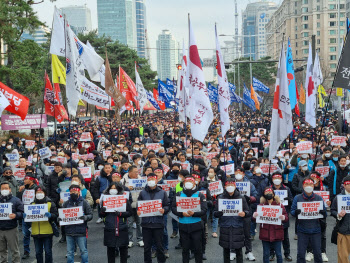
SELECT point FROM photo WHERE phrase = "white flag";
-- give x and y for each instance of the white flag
(141, 92)
(92, 61)
(201, 112)
(3, 102)
(317, 73)
(181, 93)
(57, 46)
(223, 89)
(94, 95)
(75, 72)
(100, 76)
(282, 122)
(311, 92)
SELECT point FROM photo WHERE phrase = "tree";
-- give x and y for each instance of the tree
(120, 54)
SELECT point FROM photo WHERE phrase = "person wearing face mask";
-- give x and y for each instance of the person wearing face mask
(272, 235)
(76, 234)
(232, 227)
(116, 226)
(173, 174)
(336, 177)
(7, 176)
(308, 230)
(303, 172)
(88, 145)
(9, 231)
(295, 161)
(251, 201)
(164, 158)
(153, 226)
(85, 193)
(190, 223)
(42, 231)
(51, 184)
(277, 184)
(137, 161)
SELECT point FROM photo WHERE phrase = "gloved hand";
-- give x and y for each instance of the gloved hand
(58, 190)
(24, 215)
(48, 214)
(252, 199)
(297, 211)
(59, 219)
(103, 209)
(323, 212)
(218, 214)
(83, 218)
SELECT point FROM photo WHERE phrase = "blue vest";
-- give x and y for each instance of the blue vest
(332, 166)
(189, 220)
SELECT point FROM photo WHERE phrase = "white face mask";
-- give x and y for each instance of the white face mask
(8, 147)
(286, 157)
(125, 152)
(188, 185)
(35, 160)
(308, 189)
(100, 167)
(81, 165)
(222, 160)
(139, 162)
(239, 176)
(113, 191)
(304, 156)
(180, 178)
(75, 183)
(304, 168)
(136, 148)
(258, 171)
(342, 165)
(151, 183)
(277, 181)
(188, 154)
(197, 182)
(211, 175)
(230, 189)
(327, 155)
(40, 196)
(5, 192)
(87, 146)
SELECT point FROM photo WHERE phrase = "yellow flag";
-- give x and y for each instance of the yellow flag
(254, 97)
(321, 93)
(81, 103)
(302, 94)
(58, 71)
(339, 92)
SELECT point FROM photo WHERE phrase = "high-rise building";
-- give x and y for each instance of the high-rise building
(117, 20)
(79, 17)
(300, 20)
(167, 55)
(39, 36)
(254, 18)
(141, 28)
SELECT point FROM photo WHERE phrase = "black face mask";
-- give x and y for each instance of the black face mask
(269, 196)
(176, 172)
(161, 154)
(74, 197)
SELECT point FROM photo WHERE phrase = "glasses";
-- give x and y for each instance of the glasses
(7, 172)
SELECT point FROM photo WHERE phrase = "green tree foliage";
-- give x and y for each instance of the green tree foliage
(120, 54)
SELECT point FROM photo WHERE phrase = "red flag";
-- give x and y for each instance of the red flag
(127, 86)
(296, 109)
(156, 97)
(19, 104)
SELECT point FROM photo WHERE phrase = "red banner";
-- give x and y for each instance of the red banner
(19, 104)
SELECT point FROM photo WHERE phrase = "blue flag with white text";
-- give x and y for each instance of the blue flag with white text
(259, 86)
(247, 100)
(152, 100)
(213, 93)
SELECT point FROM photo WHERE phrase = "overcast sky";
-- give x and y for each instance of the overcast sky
(172, 15)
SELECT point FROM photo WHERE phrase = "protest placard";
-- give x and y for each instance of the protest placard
(198, 156)
(261, 129)
(117, 164)
(267, 168)
(310, 210)
(64, 196)
(228, 168)
(149, 208)
(83, 156)
(230, 207)
(85, 172)
(19, 173)
(186, 166)
(254, 139)
(106, 153)
(211, 155)
(153, 146)
(266, 144)
(323, 170)
(45, 153)
(269, 214)
(171, 183)
(216, 188)
(5, 211)
(62, 160)
(75, 156)
(28, 196)
(35, 213)
(64, 186)
(137, 184)
(50, 169)
(165, 187)
(343, 202)
(30, 144)
(70, 216)
(114, 203)
(244, 188)
(324, 195)
(282, 194)
(85, 137)
(165, 168)
(304, 147)
(97, 173)
(12, 157)
(338, 140)
(184, 204)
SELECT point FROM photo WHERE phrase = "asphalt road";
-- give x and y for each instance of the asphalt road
(98, 253)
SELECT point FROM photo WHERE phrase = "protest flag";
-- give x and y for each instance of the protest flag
(160, 103)
(57, 43)
(223, 89)
(201, 111)
(58, 70)
(259, 86)
(321, 93)
(254, 97)
(342, 75)
(292, 86)
(19, 104)
(152, 100)
(247, 100)
(302, 94)
(181, 93)
(310, 112)
(141, 92)
(282, 122)
(4, 102)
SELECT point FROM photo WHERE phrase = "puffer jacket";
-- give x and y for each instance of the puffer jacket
(297, 183)
(17, 209)
(269, 232)
(101, 183)
(41, 229)
(51, 186)
(231, 227)
(336, 178)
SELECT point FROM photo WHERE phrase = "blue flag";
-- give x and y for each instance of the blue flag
(170, 85)
(233, 96)
(247, 100)
(213, 93)
(260, 99)
(259, 86)
(347, 24)
(165, 94)
(291, 77)
(152, 100)
(232, 87)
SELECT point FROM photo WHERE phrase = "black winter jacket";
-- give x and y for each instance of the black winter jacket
(17, 208)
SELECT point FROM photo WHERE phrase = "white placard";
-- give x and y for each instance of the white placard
(268, 214)
(36, 212)
(12, 157)
(282, 194)
(230, 168)
(114, 203)
(304, 147)
(244, 188)
(149, 207)
(324, 195)
(45, 152)
(28, 197)
(230, 207)
(137, 184)
(185, 204)
(343, 203)
(85, 172)
(70, 216)
(216, 188)
(5, 211)
(64, 196)
(310, 210)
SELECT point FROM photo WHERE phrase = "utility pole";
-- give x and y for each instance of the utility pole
(313, 47)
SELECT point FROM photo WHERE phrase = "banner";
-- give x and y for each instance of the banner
(216, 188)
(31, 121)
(94, 95)
(114, 203)
(85, 137)
(137, 184)
(304, 147)
(282, 194)
(323, 170)
(324, 195)
(343, 202)
(5, 211)
(228, 168)
(269, 214)
(339, 140)
(244, 188)
(35, 213)
(149, 208)
(310, 210)
(45, 153)
(230, 207)
(185, 204)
